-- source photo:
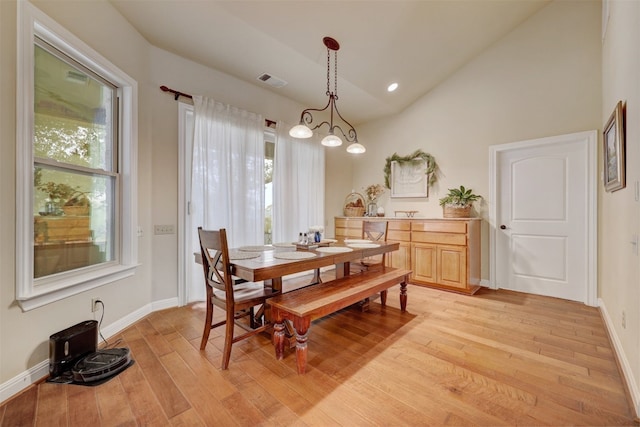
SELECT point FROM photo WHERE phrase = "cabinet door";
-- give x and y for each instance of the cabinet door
(400, 258)
(424, 258)
(452, 262)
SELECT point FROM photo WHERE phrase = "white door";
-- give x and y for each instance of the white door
(544, 223)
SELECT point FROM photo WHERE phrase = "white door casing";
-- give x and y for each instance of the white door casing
(189, 274)
(543, 216)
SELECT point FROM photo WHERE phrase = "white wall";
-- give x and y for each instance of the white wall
(540, 80)
(618, 266)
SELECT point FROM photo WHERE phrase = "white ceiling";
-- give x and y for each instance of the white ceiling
(415, 43)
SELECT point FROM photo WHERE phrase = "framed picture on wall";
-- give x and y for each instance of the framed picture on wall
(408, 179)
(613, 150)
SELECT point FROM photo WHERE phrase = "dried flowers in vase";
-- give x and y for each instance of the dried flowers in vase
(373, 192)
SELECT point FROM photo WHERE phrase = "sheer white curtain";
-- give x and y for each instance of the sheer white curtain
(298, 185)
(227, 188)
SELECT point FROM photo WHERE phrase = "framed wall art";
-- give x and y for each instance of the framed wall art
(408, 179)
(613, 150)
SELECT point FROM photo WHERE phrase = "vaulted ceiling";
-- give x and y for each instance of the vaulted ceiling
(417, 44)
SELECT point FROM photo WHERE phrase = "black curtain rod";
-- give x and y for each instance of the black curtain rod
(177, 94)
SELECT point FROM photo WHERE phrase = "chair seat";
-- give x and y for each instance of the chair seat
(242, 291)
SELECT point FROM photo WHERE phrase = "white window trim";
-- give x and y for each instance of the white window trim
(31, 22)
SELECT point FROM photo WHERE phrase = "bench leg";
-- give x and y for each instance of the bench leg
(403, 295)
(383, 297)
(278, 339)
(301, 326)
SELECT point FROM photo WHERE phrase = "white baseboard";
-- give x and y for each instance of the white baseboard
(21, 381)
(624, 362)
(36, 373)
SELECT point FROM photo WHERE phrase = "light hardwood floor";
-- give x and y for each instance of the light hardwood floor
(495, 358)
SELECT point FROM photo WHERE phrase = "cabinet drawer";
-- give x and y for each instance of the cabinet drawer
(399, 236)
(348, 223)
(439, 238)
(399, 225)
(440, 226)
(345, 233)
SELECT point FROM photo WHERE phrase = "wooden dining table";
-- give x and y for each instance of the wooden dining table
(271, 269)
(264, 263)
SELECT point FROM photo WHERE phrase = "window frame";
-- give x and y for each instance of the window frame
(32, 293)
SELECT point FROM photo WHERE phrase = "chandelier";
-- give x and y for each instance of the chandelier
(303, 129)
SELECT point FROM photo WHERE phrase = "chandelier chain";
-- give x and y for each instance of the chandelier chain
(328, 71)
(335, 69)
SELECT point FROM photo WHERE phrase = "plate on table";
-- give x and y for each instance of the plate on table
(363, 245)
(258, 248)
(333, 249)
(350, 241)
(294, 255)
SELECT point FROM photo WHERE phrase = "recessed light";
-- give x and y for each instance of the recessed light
(392, 87)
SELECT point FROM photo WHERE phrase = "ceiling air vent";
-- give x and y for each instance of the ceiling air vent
(272, 80)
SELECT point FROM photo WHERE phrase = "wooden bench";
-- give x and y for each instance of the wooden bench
(303, 306)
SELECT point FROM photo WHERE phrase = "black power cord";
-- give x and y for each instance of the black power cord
(106, 343)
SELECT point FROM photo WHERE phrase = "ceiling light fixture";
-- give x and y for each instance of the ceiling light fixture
(392, 87)
(303, 129)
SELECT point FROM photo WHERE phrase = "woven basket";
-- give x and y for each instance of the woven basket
(454, 211)
(77, 205)
(353, 211)
(354, 205)
(76, 210)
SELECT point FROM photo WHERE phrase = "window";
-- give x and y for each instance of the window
(75, 185)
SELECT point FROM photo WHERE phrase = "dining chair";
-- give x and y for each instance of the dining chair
(376, 231)
(237, 298)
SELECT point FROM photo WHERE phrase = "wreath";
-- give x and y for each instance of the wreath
(415, 157)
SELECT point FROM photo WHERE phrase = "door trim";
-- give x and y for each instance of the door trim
(590, 138)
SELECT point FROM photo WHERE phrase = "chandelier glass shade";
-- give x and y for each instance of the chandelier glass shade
(305, 130)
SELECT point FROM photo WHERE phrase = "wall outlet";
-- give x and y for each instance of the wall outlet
(624, 320)
(164, 229)
(94, 304)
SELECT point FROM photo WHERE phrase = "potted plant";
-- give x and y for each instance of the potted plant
(457, 203)
(57, 195)
(63, 198)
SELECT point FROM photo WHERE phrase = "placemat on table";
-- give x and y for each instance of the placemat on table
(334, 249)
(363, 245)
(243, 255)
(293, 255)
(258, 248)
(328, 241)
(284, 245)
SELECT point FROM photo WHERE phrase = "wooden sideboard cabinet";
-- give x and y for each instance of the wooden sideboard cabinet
(442, 253)
(63, 243)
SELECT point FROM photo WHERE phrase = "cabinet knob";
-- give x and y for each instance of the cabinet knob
(503, 227)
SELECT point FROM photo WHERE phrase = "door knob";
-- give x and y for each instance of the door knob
(503, 227)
